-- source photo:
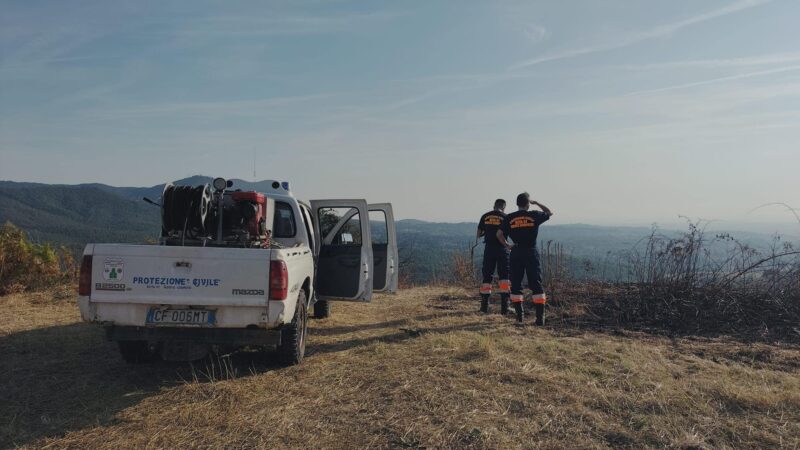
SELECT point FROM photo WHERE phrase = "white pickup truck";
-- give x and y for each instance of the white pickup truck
(238, 269)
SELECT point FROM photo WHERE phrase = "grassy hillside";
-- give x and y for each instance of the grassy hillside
(417, 370)
(76, 215)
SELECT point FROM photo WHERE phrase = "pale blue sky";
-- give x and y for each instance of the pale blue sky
(608, 111)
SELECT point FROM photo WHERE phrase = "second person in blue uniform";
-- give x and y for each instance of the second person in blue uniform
(522, 227)
(495, 254)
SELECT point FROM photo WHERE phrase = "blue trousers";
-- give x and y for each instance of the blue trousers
(495, 256)
(525, 261)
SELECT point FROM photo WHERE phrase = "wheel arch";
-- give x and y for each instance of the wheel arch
(307, 287)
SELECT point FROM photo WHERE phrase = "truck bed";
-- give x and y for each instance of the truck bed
(139, 285)
(153, 274)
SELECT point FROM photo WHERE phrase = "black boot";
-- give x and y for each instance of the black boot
(504, 304)
(539, 314)
(520, 313)
(484, 303)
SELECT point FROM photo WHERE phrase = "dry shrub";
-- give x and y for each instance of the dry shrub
(703, 282)
(689, 282)
(28, 266)
(463, 271)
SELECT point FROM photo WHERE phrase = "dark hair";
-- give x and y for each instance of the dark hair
(499, 203)
(523, 199)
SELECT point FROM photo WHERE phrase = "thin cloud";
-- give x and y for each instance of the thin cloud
(761, 60)
(275, 24)
(209, 108)
(657, 32)
(715, 80)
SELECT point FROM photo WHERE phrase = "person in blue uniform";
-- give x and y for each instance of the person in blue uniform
(495, 255)
(522, 227)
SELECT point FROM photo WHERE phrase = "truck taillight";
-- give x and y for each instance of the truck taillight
(85, 280)
(278, 280)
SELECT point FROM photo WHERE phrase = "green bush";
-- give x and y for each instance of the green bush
(28, 266)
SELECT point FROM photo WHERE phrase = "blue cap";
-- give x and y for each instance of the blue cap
(285, 185)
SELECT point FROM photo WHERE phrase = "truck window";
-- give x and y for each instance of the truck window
(285, 225)
(348, 233)
(379, 231)
(307, 222)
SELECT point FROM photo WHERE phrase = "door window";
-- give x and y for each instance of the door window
(343, 223)
(379, 233)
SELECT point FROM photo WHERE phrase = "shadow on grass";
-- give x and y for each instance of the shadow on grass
(400, 336)
(332, 331)
(62, 378)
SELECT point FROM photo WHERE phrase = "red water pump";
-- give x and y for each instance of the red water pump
(253, 207)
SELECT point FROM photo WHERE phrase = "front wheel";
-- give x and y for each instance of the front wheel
(293, 336)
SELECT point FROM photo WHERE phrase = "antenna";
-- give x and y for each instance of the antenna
(254, 164)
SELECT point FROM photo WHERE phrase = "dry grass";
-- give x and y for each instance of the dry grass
(415, 370)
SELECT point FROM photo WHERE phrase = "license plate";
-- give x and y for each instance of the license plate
(171, 316)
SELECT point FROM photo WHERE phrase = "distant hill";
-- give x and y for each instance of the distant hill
(74, 215)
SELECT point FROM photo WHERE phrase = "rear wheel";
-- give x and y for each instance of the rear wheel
(137, 352)
(293, 336)
(322, 309)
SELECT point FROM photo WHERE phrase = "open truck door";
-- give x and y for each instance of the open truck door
(344, 250)
(384, 247)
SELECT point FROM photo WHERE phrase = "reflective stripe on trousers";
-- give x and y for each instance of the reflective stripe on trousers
(505, 286)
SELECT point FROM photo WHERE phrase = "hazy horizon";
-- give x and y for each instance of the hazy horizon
(789, 227)
(618, 113)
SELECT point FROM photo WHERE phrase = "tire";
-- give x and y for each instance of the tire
(322, 309)
(293, 336)
(137, 352)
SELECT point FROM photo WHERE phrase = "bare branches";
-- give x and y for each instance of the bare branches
(788, 208)
(696, 279)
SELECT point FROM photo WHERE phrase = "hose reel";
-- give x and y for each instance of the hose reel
(185, 209)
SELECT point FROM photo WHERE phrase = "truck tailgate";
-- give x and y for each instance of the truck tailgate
(154, 274)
